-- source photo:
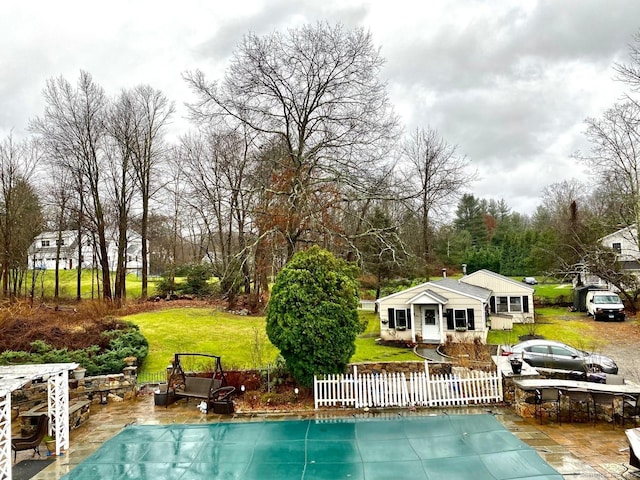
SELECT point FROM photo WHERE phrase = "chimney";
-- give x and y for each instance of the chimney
(464, 268)
(444, 273)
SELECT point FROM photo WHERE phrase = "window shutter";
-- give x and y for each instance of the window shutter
(392, 318)
(525, 304)
(450, 324)
(471, 323)
(492, 302)
(408, 318)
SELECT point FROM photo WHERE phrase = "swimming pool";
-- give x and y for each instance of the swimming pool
(373, 448)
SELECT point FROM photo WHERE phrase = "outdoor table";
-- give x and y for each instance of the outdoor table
(531, 384)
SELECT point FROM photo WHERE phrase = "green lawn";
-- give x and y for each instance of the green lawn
(68, 280)
(554, 324)
(240, 341)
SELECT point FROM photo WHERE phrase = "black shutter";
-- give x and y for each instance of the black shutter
(408, 318)
(392, 318)
(492, 302)
(450, 324)
(471, 322)
(525, 304)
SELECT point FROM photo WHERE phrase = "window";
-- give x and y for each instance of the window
(61, 242)
(510, 304)
(429, 317)
(502, 304)
(617, 246)
(515, 304)
(461, 319)
(44, 243)
(399, 318)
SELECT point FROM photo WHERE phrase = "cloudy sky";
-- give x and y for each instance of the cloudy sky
(509, 82)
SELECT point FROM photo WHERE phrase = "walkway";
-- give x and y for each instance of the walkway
(578, 451)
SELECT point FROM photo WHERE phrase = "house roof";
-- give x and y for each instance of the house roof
(459, 286)
(431, 295)
(499, 277)
(629, 230)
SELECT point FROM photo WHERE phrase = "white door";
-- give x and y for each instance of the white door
(430, 324)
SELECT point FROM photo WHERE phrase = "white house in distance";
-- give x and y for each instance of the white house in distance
(42, 252)
(625, 243)
(460, 309)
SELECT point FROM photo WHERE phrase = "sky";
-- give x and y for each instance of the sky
(509, 83)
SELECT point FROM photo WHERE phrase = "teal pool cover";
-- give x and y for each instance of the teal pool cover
(413, 447)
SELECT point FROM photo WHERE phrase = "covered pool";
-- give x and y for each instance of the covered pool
(433, 447)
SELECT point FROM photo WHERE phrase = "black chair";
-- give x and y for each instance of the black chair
(32, 441)
(630, 408)
(578, 398)
(547, 395)
(606, 401)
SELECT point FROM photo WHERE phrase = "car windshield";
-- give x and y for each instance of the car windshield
(606, 299)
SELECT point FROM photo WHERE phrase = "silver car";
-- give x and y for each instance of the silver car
(560, 356)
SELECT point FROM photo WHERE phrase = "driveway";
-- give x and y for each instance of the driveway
(620, 341)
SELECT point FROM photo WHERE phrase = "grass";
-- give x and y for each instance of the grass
(553, 290)
(240, 341)
(554, 324)
(45, 284)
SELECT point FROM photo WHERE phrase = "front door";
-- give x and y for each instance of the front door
(430, 324)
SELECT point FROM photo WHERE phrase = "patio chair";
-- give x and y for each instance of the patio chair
(547, 395)
(606, 401)
(32, 441)
(630, 408)
(578, 398)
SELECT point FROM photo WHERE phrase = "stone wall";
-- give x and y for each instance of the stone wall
(398, 367)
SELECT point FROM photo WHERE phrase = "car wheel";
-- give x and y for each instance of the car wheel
(594, 368)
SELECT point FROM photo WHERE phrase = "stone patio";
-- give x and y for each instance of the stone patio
(577, 451)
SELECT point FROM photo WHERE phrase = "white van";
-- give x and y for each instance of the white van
(604, 305)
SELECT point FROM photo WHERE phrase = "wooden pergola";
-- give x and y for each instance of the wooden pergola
(14, 377)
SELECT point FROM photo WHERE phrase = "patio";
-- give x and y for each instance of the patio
(579, 450)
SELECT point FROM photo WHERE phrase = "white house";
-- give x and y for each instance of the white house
(42, 252)
(460, 309)
(624, 242)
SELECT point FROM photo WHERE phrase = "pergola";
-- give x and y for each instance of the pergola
(15, 377)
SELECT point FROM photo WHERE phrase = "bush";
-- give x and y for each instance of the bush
(312, 316)
(122, 343)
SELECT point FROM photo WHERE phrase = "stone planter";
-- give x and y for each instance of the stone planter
(79, 373)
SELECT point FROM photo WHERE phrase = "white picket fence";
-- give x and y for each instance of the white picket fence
(463, 387)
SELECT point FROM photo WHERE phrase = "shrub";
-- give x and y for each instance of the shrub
(312, 316)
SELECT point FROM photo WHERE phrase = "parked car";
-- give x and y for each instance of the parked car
(530, 280)
(559, 356)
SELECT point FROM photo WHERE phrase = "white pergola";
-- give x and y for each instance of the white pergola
(15, 377)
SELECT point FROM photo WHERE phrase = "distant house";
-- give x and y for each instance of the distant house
(42, 252)
(624, 242)
(460, 309)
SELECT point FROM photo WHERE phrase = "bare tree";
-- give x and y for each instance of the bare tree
(434, 176)
(218, 166)
(20, 213)
(152, 112)
(315, 91)
(73, 129)
(614, 157)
